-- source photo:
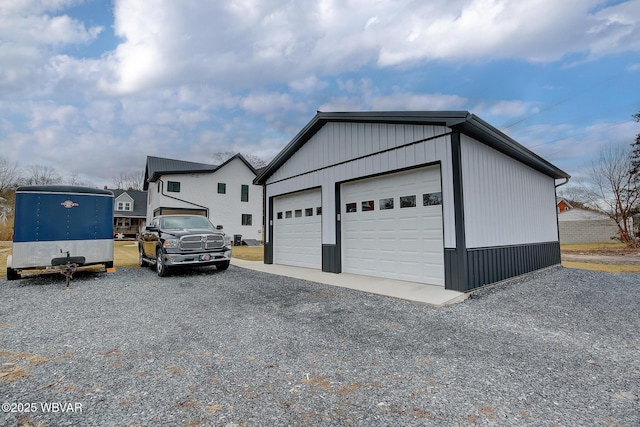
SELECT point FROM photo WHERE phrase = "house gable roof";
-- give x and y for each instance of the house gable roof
(461, 121)
(158, 166)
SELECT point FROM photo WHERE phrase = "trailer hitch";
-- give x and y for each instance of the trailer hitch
(68, 265)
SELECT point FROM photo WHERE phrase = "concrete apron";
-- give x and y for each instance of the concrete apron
(436, 296)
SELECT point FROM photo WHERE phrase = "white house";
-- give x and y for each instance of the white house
(225, 193)
(415, 196)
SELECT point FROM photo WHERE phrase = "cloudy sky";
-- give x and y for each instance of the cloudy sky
(91, 87)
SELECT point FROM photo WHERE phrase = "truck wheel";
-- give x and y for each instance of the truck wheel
(223, 265)
(141, 260)
(161, 267)
(12, 274)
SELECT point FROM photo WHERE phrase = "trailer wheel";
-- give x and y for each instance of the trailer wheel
(12, 274)
(161, 267)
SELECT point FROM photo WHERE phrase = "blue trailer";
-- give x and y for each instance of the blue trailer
(59, 227)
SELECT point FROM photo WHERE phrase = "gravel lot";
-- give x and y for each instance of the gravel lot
(236, 348)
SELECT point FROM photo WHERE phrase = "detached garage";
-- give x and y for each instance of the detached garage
(439, 198)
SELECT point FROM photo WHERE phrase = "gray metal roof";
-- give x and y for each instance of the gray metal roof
(158, 166)
(462, 121)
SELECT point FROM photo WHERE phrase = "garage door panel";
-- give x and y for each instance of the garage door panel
(404, 243)
(297, 230)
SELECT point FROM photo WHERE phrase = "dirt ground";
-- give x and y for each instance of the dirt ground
(611, 257)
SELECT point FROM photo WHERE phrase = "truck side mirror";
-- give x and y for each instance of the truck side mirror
(218, 227)
(152, 228)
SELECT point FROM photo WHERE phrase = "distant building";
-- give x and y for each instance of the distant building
(129, 213)
(562, 205)
(586, 226)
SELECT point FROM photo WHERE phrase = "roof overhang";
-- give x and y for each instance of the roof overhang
(461, 121)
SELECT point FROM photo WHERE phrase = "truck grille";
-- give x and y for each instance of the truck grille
(202, 241)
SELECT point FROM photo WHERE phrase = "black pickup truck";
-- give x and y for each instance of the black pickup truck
(183, 240)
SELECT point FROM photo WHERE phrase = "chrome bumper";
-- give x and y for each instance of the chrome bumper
(198, 258)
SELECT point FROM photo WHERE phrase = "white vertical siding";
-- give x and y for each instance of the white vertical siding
(329, 158)
(339, 142)
(505, 201)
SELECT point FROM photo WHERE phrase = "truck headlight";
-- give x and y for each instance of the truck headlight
(227, 240)
(170, 243)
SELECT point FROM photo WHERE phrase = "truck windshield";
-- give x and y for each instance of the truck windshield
(185, 222)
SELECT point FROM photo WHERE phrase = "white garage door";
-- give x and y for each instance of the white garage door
(297, 235)
(392, 226)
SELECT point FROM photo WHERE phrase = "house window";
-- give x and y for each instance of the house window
(222, 188)
(124, 206)
(244, 193)
(123, 222)
(173, 186)
(246, 219)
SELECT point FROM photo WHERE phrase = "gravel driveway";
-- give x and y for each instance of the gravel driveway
(240, 347)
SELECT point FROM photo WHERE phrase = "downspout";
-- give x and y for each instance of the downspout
(180, 200)
(562, 183)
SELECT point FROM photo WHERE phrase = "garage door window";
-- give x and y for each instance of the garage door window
(367, 206)
(386, 203)
(279, 215)
(351, 207)
(319, 210)
(408, 201)
(432, 199)
(308, 212)
(287, 214)
(298, 213)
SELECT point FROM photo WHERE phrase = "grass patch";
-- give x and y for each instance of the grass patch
(248, 253)
(593, 247)
(607, 268)
(125, 254)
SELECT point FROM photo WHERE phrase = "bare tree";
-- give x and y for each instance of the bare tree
(612, 189)
(41, 175)
(222, 156)
(635, 153)
(129, 180)
(9, 175)
(74, 179)
(255, 161)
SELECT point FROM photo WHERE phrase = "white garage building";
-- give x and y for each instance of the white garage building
(440, 198)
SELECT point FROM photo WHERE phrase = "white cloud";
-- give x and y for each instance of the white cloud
(512, 108)
(188, 74)
(418, 102)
